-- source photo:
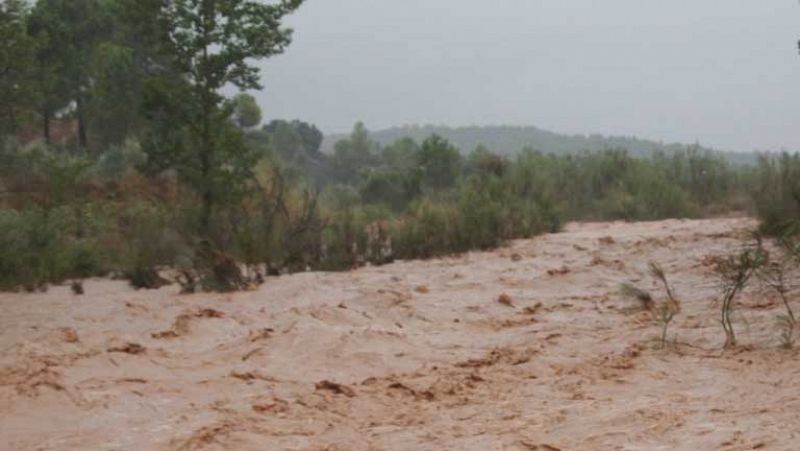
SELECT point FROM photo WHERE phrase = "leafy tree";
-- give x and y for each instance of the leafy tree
(482, 162)
(391, 187)
(352, 156)
(284, 141)
(211, 43)
(401, 154)
(121, 65)
(303, 135)
(68, 33)
(16, 60)
(440, 162)
(296, 145)
(133, 57)
(311, 136)
(246, 112)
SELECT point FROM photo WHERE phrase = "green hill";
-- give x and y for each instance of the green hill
(509, 140)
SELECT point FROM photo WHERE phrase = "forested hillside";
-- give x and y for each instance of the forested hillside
(510, 140)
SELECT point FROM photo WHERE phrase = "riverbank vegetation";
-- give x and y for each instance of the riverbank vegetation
(122, 156)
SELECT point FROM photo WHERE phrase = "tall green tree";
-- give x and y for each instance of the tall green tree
(124, 63)
(353, 155)
(295, 141)
(440, 163)
(401, 154)
(246, 112)
(16, 61)
(211, 44)
(68, 33)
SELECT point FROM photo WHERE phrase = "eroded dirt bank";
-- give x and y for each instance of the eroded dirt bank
(410, 356)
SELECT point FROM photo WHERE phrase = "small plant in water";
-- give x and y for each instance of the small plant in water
(669, 308)
(735, 271)
(665, 315)
(663, 312)
(775, 274)
(786, 325)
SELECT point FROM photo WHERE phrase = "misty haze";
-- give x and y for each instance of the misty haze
(418, 225)
(721, 74)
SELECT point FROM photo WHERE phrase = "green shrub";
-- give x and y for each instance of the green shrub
(149, 239)
(119, 160)
(425, 231)
(36, 250)
(480, 219)
(777, 197)
(339, 237)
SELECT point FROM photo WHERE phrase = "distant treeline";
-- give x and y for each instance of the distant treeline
(510, 140)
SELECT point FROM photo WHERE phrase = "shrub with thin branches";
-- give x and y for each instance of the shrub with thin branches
(670, 307)
(735, 272)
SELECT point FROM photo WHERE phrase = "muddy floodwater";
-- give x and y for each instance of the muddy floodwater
(528, 347)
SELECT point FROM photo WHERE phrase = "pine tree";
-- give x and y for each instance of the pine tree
(211, 44)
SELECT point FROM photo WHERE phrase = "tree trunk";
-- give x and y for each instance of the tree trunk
(207, 146)
(788, 308)
(208, 197)
(207, 150)
(12, 120)
(46, 125)
(727, 324)
(82, 140)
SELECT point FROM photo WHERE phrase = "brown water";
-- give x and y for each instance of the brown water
(411, 356)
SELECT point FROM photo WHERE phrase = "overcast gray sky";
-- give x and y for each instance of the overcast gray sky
(725, 73)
